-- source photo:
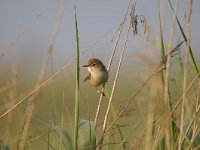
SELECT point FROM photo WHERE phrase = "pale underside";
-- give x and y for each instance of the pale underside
(97, 77)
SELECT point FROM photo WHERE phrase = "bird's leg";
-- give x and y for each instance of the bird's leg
(101, 92)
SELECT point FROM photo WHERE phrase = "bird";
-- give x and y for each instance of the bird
(98, 74)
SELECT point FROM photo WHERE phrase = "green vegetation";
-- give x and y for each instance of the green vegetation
(152, 108)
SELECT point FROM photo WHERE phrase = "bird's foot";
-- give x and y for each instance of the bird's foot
(101, 92)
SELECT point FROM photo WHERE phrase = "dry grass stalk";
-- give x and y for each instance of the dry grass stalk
(157, 137)
(143, 134)
(33, 98)
(167, 78)
(195, 133)
(190, 125)
(12, 94)
(156, 87)
(50, 130)
(111, 59)
(172, 53)
(157, 70)
(181, 136)
(100, 143)
(20, 34)
(185, 92)
(195, 128)
(43, 84)
(114, 85)
(135, 19)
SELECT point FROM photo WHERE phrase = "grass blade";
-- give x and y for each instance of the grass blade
(161, 38)
(76, 116)
(185, 39)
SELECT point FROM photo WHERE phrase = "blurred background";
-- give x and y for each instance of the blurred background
(28, 28)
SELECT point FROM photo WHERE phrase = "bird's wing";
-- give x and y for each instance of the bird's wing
(88, 77)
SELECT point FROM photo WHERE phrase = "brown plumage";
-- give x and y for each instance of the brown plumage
(98, 73)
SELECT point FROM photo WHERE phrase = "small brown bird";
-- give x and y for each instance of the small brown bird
(98, 74)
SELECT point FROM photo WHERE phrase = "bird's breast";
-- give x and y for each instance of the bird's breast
(99, 77)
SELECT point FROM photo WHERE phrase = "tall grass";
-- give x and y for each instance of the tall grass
(161, 110)
(76, 113)
(114, 85)
(112, 57)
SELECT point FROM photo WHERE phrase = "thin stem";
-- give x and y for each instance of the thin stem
(166, 88)
(111, 59)
(115, 82)
(76, 116)
(185, 75)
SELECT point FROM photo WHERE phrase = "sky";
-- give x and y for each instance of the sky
(98, 22)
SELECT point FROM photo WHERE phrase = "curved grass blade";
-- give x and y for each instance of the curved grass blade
(76, 116)
(185, 39)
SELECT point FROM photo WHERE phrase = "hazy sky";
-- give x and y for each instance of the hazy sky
(95, 19)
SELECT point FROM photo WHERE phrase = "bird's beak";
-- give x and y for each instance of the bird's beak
(85, 66)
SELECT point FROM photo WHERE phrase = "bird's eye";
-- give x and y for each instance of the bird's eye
(93, 64)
